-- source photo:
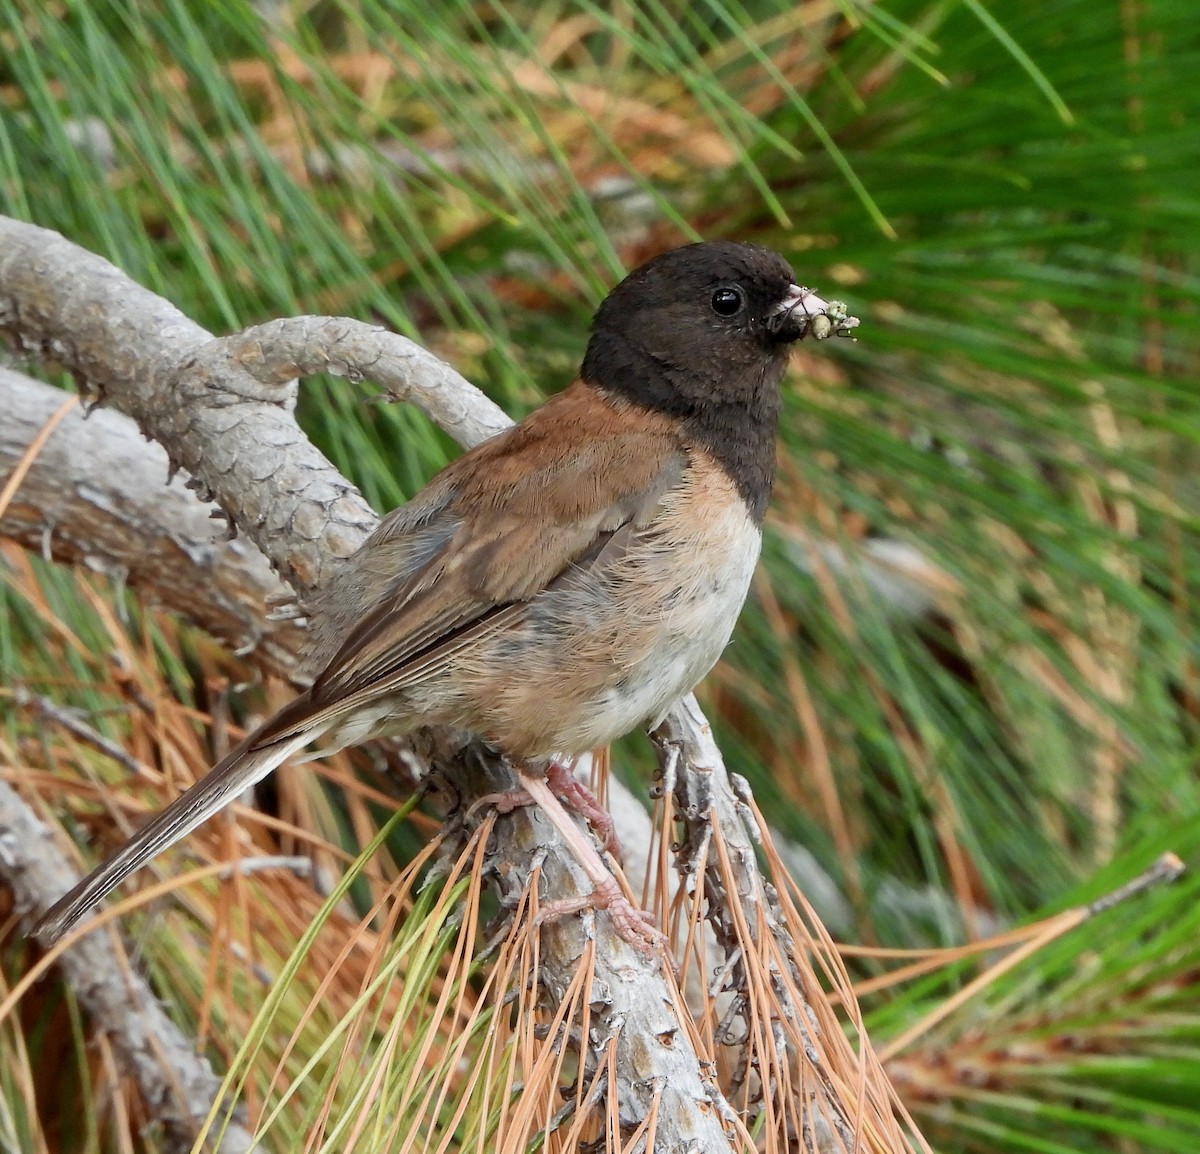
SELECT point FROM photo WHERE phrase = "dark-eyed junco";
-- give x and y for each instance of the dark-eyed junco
(568, 580)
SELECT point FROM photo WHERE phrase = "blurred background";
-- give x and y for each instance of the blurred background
(965, 687)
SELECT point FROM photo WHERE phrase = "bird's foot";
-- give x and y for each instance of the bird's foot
(634, 926)
(503, 801)
(578, 797)
(575, 795)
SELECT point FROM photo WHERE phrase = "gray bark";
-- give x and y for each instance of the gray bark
(221, 409)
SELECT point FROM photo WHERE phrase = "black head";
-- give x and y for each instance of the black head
(702, 333)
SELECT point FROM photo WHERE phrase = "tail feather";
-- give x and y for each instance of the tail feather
(244, 766)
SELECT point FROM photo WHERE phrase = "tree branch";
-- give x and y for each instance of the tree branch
(97, 495)
(222, 410)
(177, 1084)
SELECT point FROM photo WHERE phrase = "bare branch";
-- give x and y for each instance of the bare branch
(222, 408)
(232, 428)
(177, 1084)
(279, 350)
(97, 495)
(235, 435)
(709, 806)
(634, 1005)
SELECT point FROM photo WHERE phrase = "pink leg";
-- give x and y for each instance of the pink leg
(562, 780)
(503, 802)
(565, 784)
(635, 926)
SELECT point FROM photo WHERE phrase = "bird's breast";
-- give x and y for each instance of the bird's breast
(613, 645)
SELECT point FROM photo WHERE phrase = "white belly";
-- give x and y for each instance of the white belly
(613, 644)
(691, 639)
(658, 648)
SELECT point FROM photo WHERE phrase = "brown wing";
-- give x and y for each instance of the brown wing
(464, 557)
(505, 520)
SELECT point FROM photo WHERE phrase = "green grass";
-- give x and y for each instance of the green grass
(1005, 194)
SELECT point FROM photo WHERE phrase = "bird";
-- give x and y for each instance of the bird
(566, 581)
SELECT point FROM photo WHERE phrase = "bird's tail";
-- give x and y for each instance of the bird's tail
(246, 764)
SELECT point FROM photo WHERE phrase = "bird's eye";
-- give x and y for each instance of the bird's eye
(727, 301)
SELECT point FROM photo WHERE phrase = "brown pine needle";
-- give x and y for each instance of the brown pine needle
(21, 470)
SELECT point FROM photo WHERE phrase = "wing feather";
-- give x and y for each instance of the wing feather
(565, 489)
(493, 532)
